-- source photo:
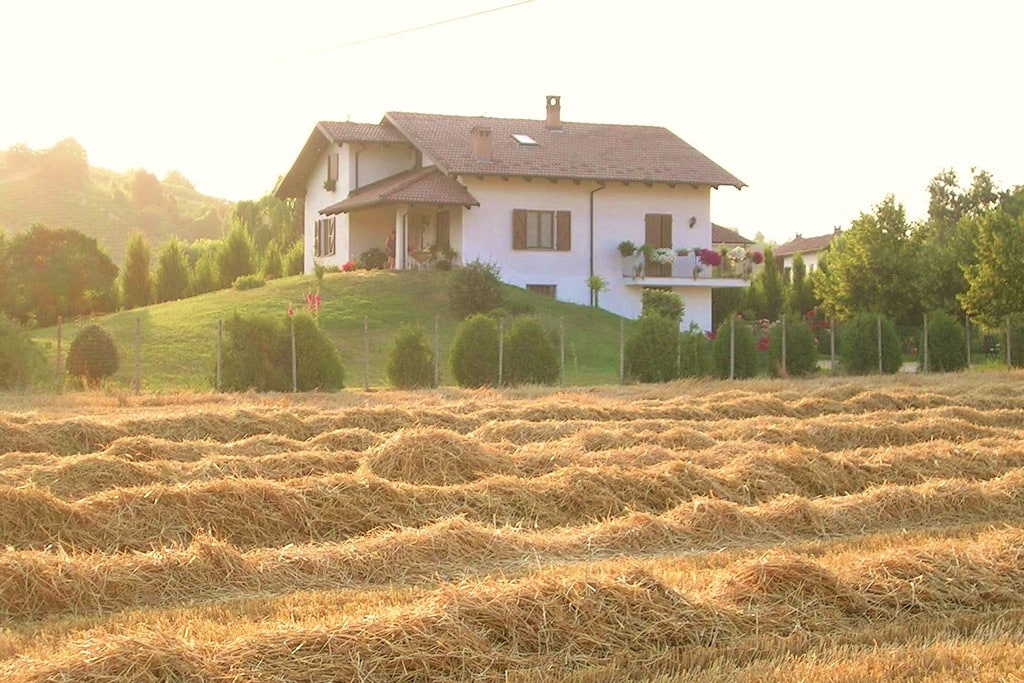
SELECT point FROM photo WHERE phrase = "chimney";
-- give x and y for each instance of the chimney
(481, 136)
(554, 121)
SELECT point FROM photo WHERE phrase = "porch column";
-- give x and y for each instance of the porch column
(401, 236)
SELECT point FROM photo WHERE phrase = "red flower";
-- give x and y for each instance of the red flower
(316, 301)
(710, 334)
(291, 311)
(710, 257)
(762, 343)
(350, 265)
(757, 257)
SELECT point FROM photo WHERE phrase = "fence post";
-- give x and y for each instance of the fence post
(561, 351)
(785, 366)
(879, 338)
(60, 359)
(366, 353)
(138, 355)
(295, 374)
(967, 335)
(622, 351)
(732, 347)
(832, 344)
(220, 343)
(925, 349)
(1009, 358)
(501, 349)
(437, 350)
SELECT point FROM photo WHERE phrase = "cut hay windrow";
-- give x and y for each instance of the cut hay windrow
(435, 456)
(259, 513)
(561, 618)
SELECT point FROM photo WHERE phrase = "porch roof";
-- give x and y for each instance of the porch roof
(416, 186)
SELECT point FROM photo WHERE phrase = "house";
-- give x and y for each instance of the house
(548, 201)
(809, 248)
(727, 238)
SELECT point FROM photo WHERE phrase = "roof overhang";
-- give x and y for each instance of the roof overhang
(416, 186)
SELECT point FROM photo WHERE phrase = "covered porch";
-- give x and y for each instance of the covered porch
(409, 220)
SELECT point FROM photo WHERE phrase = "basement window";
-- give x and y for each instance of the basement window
(524, 139)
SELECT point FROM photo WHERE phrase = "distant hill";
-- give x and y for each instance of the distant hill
(58, 188)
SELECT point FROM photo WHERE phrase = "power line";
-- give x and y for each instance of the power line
(413, 29)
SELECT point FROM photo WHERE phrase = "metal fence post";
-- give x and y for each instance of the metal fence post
(60, 359)
(967, 336)
(785, 366)
(501, 349)
(622, 351)
(1009, 356)
(437, 350)
(295, 374)
(561, 351)
(879, 336)
(832, 344)
(732, 347)
(925, 365)
(220, 344)
(366, 353)
(138, 355)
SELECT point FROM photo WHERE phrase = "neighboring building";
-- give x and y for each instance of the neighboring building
(810, 248)
(727, 238)
(547, 201)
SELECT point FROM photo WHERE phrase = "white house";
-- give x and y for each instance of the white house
(809, 248)
(547, 201)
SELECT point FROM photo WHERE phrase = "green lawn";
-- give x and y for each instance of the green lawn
(179, 338)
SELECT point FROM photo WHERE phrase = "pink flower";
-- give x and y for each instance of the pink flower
(710, 334)
(710, 257)
(316, 301)
(350, 265)
(757, 257)
(762, 343)
(291, 311)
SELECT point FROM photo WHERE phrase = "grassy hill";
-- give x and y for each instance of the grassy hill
(101, 203)
(179, 338)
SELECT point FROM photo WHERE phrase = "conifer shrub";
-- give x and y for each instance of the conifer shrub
(652, 348)
(947, 344)
(474, 288)
(694, 353)
(92, 355)
(245, 282)
(745, 354)
(801, 351)
(273, 263)
(21, 361)
(474, 354)
(293, 259)
(858, 345)
(669, 304)
(529, 357)
(410, 359)
(317, 361)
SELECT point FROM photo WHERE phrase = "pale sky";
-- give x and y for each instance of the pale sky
(820, 108)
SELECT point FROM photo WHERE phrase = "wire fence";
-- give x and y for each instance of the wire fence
(581, 361)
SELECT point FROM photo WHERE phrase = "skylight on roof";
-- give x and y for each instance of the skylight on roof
(523, 139)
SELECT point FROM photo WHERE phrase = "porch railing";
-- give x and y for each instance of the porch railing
(688, 266)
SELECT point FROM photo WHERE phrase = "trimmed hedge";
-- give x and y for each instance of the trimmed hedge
(801, 351)
(745, 354)
(858, 345)
(410, 359)
(947, 343)
(529, 357)
(93, 355)
(694, 353)
(474, 354)
(668, 304)
(22, 364)
(652, 348)
(474, 288)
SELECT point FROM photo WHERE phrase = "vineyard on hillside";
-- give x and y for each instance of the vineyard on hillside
(770, 530)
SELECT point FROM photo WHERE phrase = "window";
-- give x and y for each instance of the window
(524, 139)
(324, 237)
(332, 173)
(540, 230)
(658, 233)
(543, 290)
(443, 238)
(532, 229)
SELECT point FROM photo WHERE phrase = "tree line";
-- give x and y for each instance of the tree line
(49, 272)
(965, 258)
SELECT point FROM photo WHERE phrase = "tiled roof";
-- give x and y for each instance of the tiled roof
(417, 186)
(723, 235)
(349, 131)
(805, 245)
(578, 151)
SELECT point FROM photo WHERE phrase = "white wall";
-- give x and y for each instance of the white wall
(619, 212)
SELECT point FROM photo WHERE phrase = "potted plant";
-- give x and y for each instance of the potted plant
(627, 248)
(330, 185)
(662, 255)
(684, 252)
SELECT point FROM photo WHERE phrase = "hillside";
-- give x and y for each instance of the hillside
(179, 337)
(59, 189)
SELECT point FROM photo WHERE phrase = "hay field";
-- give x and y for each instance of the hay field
(771, 530)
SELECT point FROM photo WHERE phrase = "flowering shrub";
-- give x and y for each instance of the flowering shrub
(349, 266)
(663, 255)
(710, 257)
(757, 257)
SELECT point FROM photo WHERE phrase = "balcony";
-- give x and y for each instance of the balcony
(684, 271)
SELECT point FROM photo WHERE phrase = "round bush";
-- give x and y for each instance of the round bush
(651, 349)
(244, 282)
(21, 362)
(474, 354)
(694, 354)
(668, 304)
(801, 351)
(251, 356)
(858, 345)
(745, 355)
(92, 355)
(947, 344)
(529, 357)
(317, 362)
(410, 360)
(474, 288)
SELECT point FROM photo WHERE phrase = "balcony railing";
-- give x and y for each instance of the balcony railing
(688, 266)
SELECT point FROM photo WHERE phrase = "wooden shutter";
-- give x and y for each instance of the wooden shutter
(443, 238)
(330, 236)
(316, 238)
(519, 229)
(563, 229)
(658, 233)
(332, 166)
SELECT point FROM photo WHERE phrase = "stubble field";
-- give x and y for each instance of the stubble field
(812, 530)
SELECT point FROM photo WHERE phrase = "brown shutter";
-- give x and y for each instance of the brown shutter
(332, 166)
(666, 230)
(519, 229)
(316, 238)
(652, 229)
(563, 238)
(330, 236)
